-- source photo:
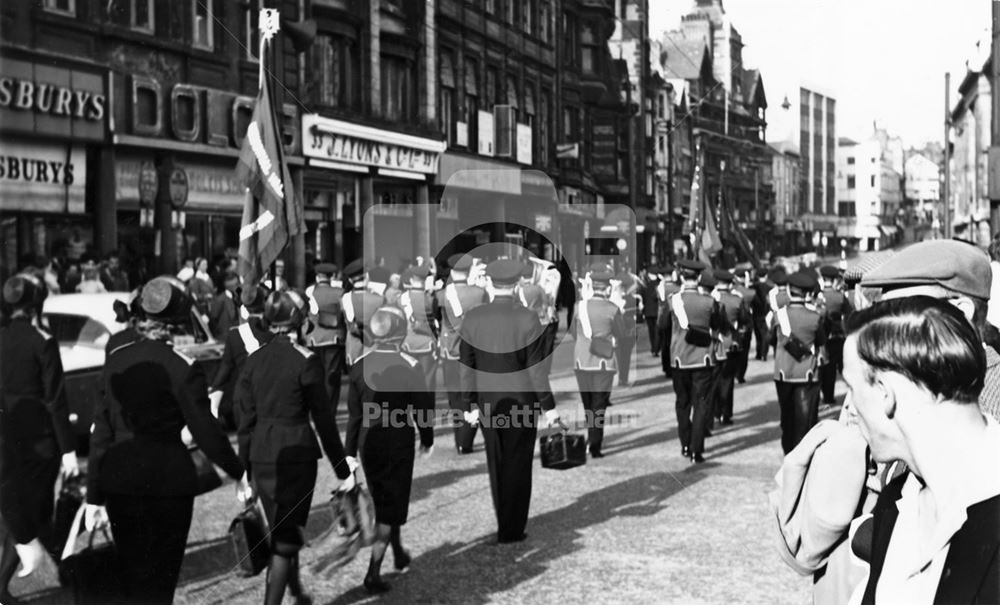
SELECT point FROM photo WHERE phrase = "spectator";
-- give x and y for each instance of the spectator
(200, 286)
(91, 282)
(915, 369)
(187, 271)
(112, 276)
(224, 312)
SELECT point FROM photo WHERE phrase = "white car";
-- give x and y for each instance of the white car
(83, 324)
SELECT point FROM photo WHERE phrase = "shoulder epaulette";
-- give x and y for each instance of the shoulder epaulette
(302, 350)
(409, 359)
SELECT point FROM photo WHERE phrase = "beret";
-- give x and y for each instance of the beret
(778, 275)
(379, 275)
(460, 262)
(355, 268)
(691, 266)
(953, 265)
(707, 279)
(829, 271)
(504, 271)
(24, 290)
(253, 297)
(326, 268)
(723, 276)
(803, 279)
(761, 272)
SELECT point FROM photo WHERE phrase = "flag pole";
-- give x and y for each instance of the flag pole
(268, 24)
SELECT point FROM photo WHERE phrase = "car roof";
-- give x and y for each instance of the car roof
(99, 307)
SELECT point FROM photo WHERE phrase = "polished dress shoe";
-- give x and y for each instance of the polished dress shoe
(686, 451)
(727, 422)
(708, 432)
(402, 561)
(697, 458)
(513, 540)
(596, 453)
(376, 585)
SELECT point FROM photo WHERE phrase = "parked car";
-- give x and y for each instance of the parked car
(83, 323)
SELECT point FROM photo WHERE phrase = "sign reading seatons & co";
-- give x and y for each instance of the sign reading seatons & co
(334, 142)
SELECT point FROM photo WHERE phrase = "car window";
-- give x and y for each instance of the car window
(77, 330)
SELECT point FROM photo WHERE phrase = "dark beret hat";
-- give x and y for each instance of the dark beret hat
(379, 275)
(707, 279)
(829, 271)
(778, 275)
(723, 276)
(691, 266)
(504, 271)
(804, 279)
(355, 268)
(326, 268)
(953, 265)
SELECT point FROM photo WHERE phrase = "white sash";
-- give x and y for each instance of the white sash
(250, 342)
(520, 295)
(584, 315)
(348, 305)
(451, 295)
(678, 306)
(783, 322)
(407, 304)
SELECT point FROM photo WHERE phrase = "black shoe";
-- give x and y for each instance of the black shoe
(727, 422)
(302, 599)
(402, 561)
(514, 540)
(708, 432)
(697, 458)
(376, 585)
(741, 380)
(462, 451)
(596, 453)
(686, 451)
(829, 402)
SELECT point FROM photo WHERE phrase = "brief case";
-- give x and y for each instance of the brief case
(249, 539)
(563, 450)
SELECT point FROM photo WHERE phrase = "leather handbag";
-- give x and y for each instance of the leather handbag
(698, 336)
(249, 539)
(602, 346)
(796, 348)
(563, 450)
(208, 477)
(352, 527)
(91, 573)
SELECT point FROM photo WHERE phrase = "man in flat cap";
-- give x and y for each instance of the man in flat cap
(422, 327)
(695, 320)
(798, 336)
(835, 306)
(329, 334)
(728, 352)
(503, 382)
(452, 304)
(600, 330)
(359, 305)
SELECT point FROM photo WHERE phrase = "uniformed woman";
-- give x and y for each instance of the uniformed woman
(386, 440)
(281, 387)
(35, 432)
(140, 469)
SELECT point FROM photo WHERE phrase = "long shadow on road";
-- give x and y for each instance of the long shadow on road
(471, 571)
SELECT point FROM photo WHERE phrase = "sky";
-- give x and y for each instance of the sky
(882, 60)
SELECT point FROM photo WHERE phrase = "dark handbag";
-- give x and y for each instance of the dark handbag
(602, 346)
(71, 497)
(698, 336)
(796, 348)
(208, 477)
(563, 450)
(92, 572)
(352, 527)
(249, 539)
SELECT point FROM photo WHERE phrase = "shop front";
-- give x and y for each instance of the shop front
(367, 192)
(53, 122)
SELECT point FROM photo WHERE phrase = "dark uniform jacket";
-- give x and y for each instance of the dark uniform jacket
(453, 303)
(736, 316)
(665, 290)
(806, 324)
(606, 321)
(836, 307)
(328, 322)
(150, 392)
(500, 352)
(223, 314)
(281, 387)
(34, 417)
(703, 316)
(241, 341)
(650, 298)
(421, 329)
(359, 306)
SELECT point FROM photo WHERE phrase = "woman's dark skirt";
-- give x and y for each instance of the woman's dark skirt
(387, 458)
(27, 486)
(286, 492)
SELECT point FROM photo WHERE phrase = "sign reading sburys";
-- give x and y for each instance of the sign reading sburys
(338, 141)
(37, 177)
(37, 98)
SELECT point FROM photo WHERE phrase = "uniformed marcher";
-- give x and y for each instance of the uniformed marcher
(139, 465)
(36, 437)
(359, 305)
(385, 439)
(695, 321)
(835, 307)
(503, 381)
(730, 347)
(240, 342)
(798, 336)
(668, 287)
(422, 327)
(545, 276)
(282, 386)
(600, 329)
(453, 302)
(651, 307)
(329, 332)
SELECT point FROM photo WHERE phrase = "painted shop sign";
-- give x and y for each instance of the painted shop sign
(44, 99)
(209, 186)
(42, 178)
(338, 141)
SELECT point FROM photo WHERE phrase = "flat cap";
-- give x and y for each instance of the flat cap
(460, 262)
(253, 297)
(354, 269)
(953, 265)
(691, 266)
(829, 271)
(723, 276)
(379, 275)
(326, 268)
(505, 271)
(803, 279)
(707, 279)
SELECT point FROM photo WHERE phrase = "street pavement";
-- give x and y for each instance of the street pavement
(640, 525)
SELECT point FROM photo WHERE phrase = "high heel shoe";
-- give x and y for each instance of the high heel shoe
(375, 584)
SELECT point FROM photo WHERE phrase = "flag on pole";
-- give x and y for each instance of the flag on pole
(271, 213)
(710, 240)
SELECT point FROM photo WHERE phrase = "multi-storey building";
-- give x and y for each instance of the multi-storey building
(922, 197)
(970, 134)
(786, 169)
(868, 193)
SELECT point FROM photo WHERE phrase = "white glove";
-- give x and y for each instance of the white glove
(472, 417)
(347, 484)
(244, 491)
(586, 289)
(70, 466)
(352, 463)
(94, 517)
(215, 398)
(425, 452)
(552, 419)
(186, 436)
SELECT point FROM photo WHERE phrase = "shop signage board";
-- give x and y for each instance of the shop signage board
(210, 187)
(44, 99)
(327, 139)
(38, 177)
(148, 183)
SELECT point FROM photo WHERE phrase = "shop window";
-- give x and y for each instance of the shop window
(141, 15)
(446, 111)
(334, 72)
(251, 29)
(62, 7)
(398, 90)
(589, 48)
(471, 105)
(569, 40)
(493, 95)
(201, 24)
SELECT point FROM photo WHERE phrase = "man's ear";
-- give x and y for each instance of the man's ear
(965, 305)
(887, 391)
